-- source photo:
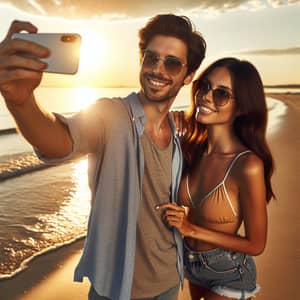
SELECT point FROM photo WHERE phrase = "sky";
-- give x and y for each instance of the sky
(264, 32)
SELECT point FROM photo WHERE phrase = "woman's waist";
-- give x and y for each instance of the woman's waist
(199, 245)
(209, 253)
(207, 256)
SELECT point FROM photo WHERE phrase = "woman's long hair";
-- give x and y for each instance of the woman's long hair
(250, 122)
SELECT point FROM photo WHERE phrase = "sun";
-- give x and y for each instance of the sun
(91, 51)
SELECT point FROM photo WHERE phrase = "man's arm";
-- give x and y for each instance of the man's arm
(42, 129)
(19, 76)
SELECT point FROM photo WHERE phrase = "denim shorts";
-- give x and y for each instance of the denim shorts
(226, 273)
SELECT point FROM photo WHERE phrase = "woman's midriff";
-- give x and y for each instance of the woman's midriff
(198, 245)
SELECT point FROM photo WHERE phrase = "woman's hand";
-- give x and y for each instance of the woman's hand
(180, 122)
(176, 216)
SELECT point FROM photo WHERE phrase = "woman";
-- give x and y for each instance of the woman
(226, 182)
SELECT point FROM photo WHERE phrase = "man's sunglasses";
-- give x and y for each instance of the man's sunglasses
(172, 64)
(220, 95)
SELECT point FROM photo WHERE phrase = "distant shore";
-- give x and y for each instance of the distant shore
(282, 86)
(8, 131)
(49, 277)
(291, 99)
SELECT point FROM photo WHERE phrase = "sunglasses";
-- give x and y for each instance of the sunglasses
(220, 95)
(172, 65)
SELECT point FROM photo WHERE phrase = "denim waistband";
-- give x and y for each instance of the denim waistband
(194, 255)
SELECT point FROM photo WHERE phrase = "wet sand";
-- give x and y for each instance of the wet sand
(49, 277)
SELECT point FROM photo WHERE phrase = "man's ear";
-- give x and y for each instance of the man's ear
(188, 79)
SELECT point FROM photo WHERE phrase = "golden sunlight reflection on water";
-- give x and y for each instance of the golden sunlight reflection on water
(79, 204)
(70, 220)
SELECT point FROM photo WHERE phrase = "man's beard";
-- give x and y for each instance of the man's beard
(147, 91)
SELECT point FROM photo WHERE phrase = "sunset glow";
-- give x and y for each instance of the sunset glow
(109, 51)
(83, 97)
(92, 51)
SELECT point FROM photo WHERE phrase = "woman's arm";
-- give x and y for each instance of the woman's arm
(252, 195)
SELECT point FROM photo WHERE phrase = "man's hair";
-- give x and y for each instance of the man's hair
(175, 26)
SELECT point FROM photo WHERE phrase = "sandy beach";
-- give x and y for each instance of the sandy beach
(49, 276)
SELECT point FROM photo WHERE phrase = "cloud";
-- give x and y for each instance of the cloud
(116, 9)
(278, 3)
(272, 52)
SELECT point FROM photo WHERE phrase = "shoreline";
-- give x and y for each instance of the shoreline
(281, 256)
(291, 99)
(50, 273)
(49, 276)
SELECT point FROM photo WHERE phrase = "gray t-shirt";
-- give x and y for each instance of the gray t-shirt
(155, 260)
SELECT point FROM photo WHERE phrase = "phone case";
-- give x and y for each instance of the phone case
(64, 50)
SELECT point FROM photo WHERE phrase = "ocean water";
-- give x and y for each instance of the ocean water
(41, 207)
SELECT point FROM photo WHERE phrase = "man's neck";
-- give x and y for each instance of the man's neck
(156, 113)
(157, 125)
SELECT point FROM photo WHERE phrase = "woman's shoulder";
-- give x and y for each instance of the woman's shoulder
(249, 165)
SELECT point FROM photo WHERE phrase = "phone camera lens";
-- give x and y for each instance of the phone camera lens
(68, 38)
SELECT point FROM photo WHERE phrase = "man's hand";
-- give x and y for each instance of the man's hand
(176, 216)
(20, 75)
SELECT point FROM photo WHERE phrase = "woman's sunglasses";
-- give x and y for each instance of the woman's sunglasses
(220, 95)
(172, 64)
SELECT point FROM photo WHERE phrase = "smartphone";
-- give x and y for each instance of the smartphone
(64, 50)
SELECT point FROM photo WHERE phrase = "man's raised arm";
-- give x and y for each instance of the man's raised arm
(19, 76)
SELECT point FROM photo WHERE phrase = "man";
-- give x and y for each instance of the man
(134, 157)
